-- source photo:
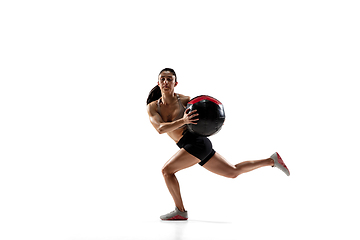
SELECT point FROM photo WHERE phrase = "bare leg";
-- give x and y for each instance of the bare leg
(182, 159)
(217, 164)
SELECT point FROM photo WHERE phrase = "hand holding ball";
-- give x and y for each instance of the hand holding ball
(211, 115)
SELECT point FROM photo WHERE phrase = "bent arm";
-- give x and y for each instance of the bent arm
(159, 124)
(166, 127)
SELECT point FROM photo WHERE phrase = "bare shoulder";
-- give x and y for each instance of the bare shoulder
(184, 99)
(151, 107)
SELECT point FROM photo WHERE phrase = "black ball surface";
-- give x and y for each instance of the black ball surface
(211, 115)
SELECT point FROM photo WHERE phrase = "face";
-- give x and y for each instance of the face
(167, 81)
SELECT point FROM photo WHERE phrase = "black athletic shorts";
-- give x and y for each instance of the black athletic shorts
(197, 146)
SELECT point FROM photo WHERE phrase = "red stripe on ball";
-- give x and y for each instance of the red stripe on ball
(204, 97)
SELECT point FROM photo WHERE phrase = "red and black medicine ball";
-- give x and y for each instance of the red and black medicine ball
(211, 115)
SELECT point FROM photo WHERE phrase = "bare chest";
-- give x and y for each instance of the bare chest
(170, 113)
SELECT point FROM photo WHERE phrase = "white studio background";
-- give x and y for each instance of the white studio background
(79, 158)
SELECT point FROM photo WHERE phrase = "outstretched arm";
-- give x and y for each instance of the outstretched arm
(165, 127)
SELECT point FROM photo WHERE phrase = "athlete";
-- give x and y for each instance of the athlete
(167, 114)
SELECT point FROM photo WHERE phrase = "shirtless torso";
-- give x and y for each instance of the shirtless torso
(170, 113)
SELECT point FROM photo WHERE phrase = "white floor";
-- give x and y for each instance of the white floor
(301, 221)
(260, 227)
(192, 229)
(95, 202)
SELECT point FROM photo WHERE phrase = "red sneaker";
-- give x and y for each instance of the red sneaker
(279, 163)
(175, 215)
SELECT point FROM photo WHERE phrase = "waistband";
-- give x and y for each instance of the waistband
(186, 138)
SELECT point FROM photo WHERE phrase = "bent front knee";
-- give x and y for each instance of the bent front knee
(166, 172)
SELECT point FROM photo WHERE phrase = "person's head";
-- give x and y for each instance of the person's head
(167, 80)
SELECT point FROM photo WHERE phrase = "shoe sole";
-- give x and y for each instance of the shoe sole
(279, 163)
(177, 217)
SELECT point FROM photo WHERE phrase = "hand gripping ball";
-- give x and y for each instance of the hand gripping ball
(211, 115)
